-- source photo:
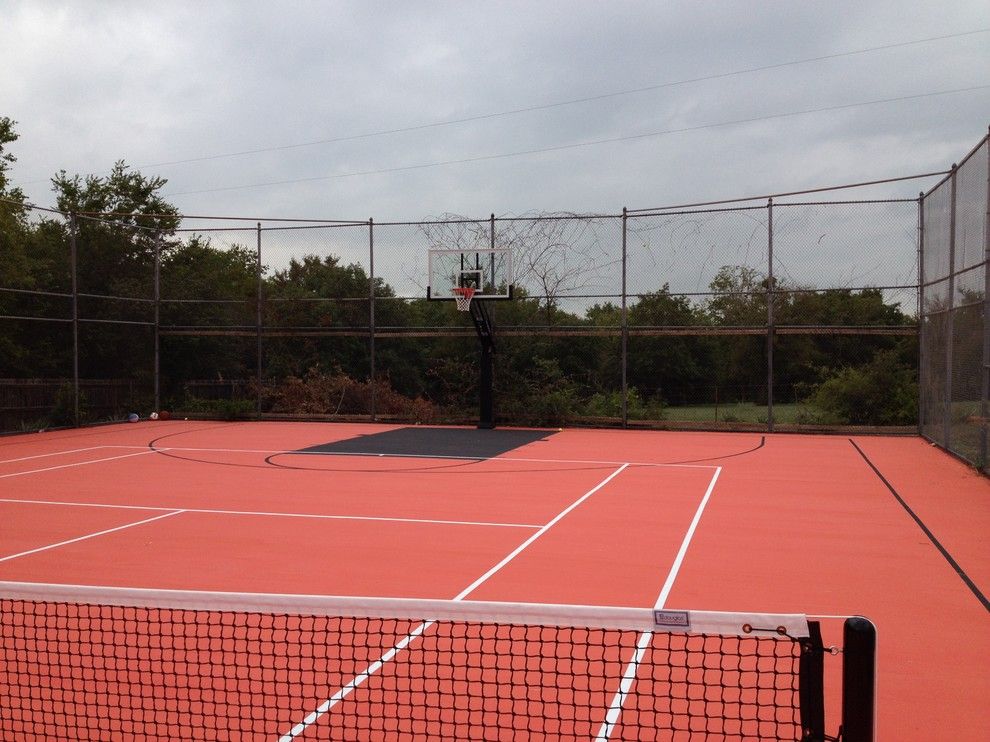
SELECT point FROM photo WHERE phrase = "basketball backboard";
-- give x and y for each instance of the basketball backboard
(488, 271)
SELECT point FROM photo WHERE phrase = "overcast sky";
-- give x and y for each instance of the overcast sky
(278, 109)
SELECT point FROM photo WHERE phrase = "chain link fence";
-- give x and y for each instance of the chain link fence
(774, 315)
(955, 346)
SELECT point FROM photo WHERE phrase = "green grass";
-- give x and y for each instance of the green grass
(739, 412)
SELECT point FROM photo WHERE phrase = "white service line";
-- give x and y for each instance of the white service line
(273, 514)
(90, 535)
(629, 676)
(80, 463)
(374, 667)
(54, 453)
(477, 583)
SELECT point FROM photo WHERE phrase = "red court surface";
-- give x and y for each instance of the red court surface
(828, 526)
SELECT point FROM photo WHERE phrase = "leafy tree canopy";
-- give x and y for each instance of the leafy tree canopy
(131, 197)
(8, 136)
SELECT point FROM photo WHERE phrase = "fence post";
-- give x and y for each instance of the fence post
(625, 323)
(770, 300)
(491, 244)
(258, 321)
(73, 257)
(985, 401)
(371, 313)
(922, 335)
(157, 298)
(947, 411)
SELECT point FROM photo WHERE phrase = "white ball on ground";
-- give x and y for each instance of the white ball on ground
(153, 415)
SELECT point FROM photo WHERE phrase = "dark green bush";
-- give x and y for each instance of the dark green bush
(880, 392)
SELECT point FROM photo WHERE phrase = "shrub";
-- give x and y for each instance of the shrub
(225, 409)
(62, 413)
(542, 395)
(335, 393)
(881, 392)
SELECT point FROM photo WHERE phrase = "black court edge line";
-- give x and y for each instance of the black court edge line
(761, 444)
(153, 443)
(931, 536)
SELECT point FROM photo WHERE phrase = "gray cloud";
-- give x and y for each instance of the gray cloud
(154, 83)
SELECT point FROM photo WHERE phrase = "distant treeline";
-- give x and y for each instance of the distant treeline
(312, 362)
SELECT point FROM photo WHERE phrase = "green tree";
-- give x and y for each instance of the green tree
(203, 286)
(8, 135)
(670, 368)
(34, 256)
(15, 263)
(739, 300)
(320, 294)
(122, 222)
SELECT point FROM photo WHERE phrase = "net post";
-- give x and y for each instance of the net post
(812, 687)
(859, 640)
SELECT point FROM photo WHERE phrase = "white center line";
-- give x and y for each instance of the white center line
(79, 463)
(90, 535)
(629, 676)
(374, 667)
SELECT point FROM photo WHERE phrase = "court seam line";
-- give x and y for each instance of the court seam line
(262, 513)
(90, 535)
(358, 680)
(78, 463)
(931, 536)
(614, 712)
(502, 459)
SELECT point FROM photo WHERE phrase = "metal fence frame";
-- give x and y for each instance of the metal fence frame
(937, 415)
(769, 330)
(933, 402)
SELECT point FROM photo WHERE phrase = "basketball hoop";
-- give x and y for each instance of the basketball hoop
(463, 296)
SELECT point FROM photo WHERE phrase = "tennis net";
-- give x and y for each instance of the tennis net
(108, 663)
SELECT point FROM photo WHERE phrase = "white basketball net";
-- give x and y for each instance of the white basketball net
(463, 296)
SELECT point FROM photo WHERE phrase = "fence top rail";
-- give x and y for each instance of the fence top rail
(792, 193)
(312, 222)
(948, 173)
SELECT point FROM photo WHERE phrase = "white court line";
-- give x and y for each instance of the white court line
(54, 453)
(90, 535)
(217, 511)
(500, 459)
(374, 667)
(78, 463)
(629, 676)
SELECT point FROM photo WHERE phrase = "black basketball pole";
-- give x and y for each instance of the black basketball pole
(486, 334)
(486, 418)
